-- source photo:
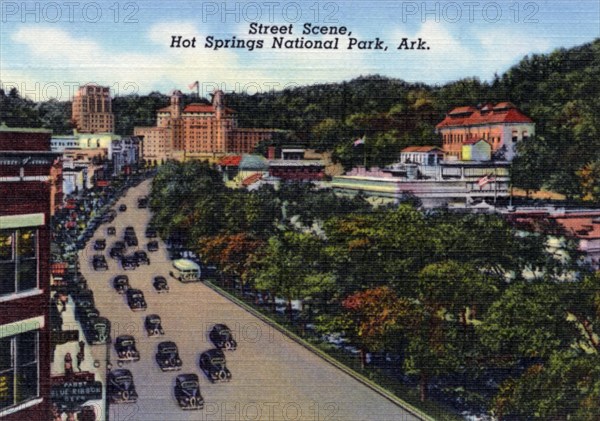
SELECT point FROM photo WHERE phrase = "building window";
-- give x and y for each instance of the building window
(19, 377)
(18, 261)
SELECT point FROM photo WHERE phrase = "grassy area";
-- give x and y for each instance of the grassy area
(408, 394)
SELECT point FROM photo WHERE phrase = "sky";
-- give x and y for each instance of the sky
(47, 48)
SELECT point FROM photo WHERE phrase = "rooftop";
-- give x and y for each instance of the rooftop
(503, 112)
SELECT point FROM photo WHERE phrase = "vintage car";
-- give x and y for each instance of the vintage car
(99, 262)
(97, 331)
(142, 202)
(111, 231)
(121, 388)
(100, 244)
(153, 325)
(151, 232)
(129, 230)
(86, 314)
(131, 240)
(118, 250)
(141, 257)
(83, 299)
(135, 300)
(125, 348)
(160, 284)
(187, 392)
(167, 356)
(121, 283)
(129, 262)
(212, 363)
(122, 208)
(221, 336)
(152, 245)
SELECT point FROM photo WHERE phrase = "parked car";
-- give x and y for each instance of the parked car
(187, 392)
(84, 313)
(121, 388)
(97, 331)
(212, 363)
(99, 262)
(141, 257)
(151, 232)
(131, 240)
(121, 283)
(142, 202)
(126, 349)
(118, 250)
(129, 230)
(129, 262)
(160, 284)
(135, 300)
(152, 246)
(123, 207)
(100, 244)
(167, 356)
(221, 337)
(111, 231)
(153, 325)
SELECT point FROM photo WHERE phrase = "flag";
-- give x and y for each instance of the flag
(360, 141)
(193, 85)
(485, 180)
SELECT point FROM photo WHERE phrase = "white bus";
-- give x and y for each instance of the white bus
(185, 270)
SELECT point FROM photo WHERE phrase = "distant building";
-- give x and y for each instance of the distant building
(92, 109)
(502, 126)
(476, 150)
(293, 165)
(30, 178)
(197, 131)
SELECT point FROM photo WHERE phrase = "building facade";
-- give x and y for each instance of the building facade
(197, 131)
(92, 109)
(27, 180)
(502, 125)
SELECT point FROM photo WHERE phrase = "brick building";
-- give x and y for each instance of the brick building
(502, 125)
(29, 175)
(92, 109)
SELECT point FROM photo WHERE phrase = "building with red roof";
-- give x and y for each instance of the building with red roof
(198, 131)
(502, 125)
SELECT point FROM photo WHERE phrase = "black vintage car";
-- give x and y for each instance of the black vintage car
(129, 230)
(129, 262)
(160, 284)
(141, 257)
(187, 392)
(99, 262)
(152, 246)
(83, 299)
(118, 250)
(153, 325)
(121, 283)
(131, 240)
(167, 356)
(221, 336)
(86, 314)
(100, 244)
(212, 363)
(151, 232)
(122, 208)
(111, 231)
(142, 202)
(125, 348)
(135, 300)
(121, 388)
(97, 331)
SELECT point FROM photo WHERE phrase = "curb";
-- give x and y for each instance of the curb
(359, 377)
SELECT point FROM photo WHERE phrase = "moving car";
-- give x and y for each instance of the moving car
(141, 257)
(121, 388)
(212, 363)
(121, 283)
(160, 284)
(135, 300)
(99, 262)
(100, 244)
(152, 246)
(167, 356)
(125, 348)
(221, 337)
(187, 392)
(153, 325)
(185, 270)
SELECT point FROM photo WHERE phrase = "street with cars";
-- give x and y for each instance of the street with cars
(191, 354)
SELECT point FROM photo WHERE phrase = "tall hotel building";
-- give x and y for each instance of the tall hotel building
(30, 179)
(197, 131)
(92, 109)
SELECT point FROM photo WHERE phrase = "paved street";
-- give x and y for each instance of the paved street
(273, 377)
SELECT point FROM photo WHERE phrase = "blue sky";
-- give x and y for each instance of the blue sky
(47, 48)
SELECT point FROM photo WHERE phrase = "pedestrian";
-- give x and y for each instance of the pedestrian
(69, 373)
(79, 360)
(82, 349)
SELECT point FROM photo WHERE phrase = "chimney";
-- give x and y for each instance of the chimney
(271, 152)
